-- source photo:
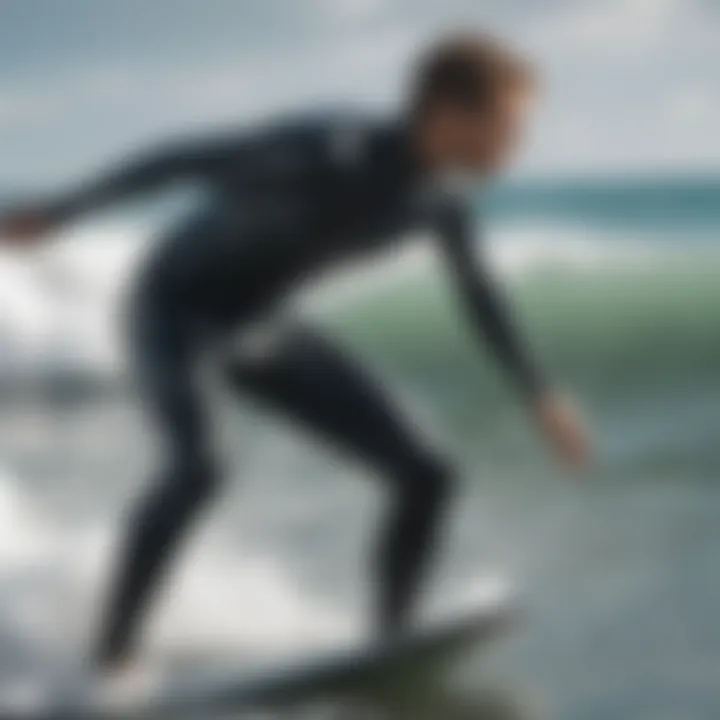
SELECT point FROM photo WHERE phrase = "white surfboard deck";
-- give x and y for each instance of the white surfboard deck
(356, 672)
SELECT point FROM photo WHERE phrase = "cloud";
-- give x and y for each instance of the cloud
(350, 9)
(610, 28)
(626, 79)
(695, 105)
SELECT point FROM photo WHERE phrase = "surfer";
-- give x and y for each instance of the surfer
(286, 203)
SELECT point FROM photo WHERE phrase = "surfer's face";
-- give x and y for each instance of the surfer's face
(476, 141)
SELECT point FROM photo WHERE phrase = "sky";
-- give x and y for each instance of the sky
(630, 86)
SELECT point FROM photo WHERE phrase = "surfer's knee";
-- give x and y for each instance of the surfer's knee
(191, 479)
(428, 481)
(436, 480)
(201, 478)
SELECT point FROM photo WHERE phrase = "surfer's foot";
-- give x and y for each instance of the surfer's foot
(91, 689)
(116, 688)
(117, 663)
(129, 683)
(110, 656)
(114, 678)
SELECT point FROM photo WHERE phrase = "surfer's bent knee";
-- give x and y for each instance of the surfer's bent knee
(195, 480)
(428, 479)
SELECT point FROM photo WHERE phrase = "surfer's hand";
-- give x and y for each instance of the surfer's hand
(565, 430)
(25, 226)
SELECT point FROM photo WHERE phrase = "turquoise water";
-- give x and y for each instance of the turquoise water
(649, 202)
(617, 287)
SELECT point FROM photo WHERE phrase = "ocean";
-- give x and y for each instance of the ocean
(616, 284)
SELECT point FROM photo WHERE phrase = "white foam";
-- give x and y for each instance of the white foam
(54, 577)
(521, 250)
(58, 306)
(226, 602)
(24, 540)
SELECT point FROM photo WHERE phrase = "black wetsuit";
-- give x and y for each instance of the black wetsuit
(286, 204)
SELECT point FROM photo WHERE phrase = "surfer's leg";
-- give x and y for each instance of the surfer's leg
(421, 493)
(312, 380)
(167, 368)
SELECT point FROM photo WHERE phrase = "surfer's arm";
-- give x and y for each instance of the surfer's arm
(203, 160)
(484, 304)
(560, 424)
(206, 160)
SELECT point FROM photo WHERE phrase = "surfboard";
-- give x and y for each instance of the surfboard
(362, 671)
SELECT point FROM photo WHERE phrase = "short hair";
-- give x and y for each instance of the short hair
(470, 71)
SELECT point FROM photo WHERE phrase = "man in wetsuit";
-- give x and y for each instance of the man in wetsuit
(287, 203)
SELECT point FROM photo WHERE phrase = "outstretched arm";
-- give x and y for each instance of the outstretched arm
(180, 161)
(488, 312)
(204, 160)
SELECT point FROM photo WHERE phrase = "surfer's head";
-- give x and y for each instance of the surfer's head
(468, 104)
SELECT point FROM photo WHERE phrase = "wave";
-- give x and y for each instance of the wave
(569, 247)
(59, 306)
(59, 309)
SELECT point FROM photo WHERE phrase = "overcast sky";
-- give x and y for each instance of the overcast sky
(631, 85)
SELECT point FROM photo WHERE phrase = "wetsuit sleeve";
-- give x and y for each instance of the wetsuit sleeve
(483, 301)
(177, 162)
